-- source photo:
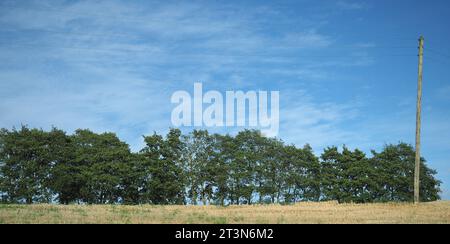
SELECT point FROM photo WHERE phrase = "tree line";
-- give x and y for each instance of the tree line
(38, 166)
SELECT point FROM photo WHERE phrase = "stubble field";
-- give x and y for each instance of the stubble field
(315, 213)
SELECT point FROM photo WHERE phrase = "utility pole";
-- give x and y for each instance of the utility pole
(418, 122)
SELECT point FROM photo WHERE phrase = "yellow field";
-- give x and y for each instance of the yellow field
(328, 212)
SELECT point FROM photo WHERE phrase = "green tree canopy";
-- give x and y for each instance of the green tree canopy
(38, 166)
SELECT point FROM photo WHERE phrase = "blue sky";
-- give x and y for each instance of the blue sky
(346, 70)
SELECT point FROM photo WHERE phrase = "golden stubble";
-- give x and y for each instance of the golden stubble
(314, 213)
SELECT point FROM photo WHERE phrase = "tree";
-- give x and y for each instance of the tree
(164, 181)
(200, 165)
(173, 156)
(271, 177)
(395, 174)
(311, 190)
(132, 175)
(98, 161)
(223, 156)
(27, 158)
(331, 173)
(347, 176)
(357, 180)
(302, 171)
(243, 168)
(63, 173)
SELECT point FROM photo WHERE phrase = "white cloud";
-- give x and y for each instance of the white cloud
(350, 5)
(306, 120)
(306, 39)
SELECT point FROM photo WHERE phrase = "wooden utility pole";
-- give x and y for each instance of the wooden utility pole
(418, 122)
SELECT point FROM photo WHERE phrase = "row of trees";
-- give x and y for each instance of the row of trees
(37, 166)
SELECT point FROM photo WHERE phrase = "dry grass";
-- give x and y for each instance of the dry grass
(327, 212)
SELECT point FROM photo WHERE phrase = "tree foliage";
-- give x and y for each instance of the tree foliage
(37, 166)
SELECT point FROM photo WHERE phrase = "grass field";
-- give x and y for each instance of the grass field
(327, 212)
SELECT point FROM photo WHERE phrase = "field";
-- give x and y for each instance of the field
(326, 212)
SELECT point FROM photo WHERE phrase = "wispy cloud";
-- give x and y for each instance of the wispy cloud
(351, 5)
(306, 120)
(80, 66)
